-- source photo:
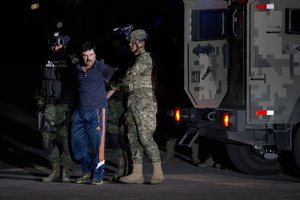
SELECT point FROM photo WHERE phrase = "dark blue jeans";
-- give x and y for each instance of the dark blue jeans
(88, 140)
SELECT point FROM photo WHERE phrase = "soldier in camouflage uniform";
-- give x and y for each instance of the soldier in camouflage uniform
(120, 56)
(141, 113)
(54, 100)
(116, 133)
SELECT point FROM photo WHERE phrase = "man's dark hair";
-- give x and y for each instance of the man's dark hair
(88, 46)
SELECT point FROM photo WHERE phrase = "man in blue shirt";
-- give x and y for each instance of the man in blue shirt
(89, 119)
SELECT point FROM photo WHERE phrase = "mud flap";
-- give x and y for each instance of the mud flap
(284, 140)
(296, 148)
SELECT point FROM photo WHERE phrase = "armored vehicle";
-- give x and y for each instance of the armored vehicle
(242, 76)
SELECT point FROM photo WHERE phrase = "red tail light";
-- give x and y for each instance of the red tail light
(264, 112)
(177, 114)
(225, 119)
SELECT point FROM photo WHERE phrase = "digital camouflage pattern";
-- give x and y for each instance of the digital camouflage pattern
(141, 126)
(142, 109)
(205, 68)
(274, 64)
(247, 66)
(55, 128)
(207, 74)
(116, 115)
(138, 34)
(265, 78)
(116, 132)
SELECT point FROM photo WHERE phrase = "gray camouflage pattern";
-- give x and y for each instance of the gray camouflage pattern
(205, 75)
(275, 61)
(272, 64)
(208, 75)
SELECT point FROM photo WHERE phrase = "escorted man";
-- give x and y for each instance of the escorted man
(141, 110)
(90, 117)
(55, 99)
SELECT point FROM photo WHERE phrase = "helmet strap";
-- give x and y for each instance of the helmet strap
(139, 46)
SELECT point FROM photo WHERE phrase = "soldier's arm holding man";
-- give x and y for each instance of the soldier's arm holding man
(131, 74)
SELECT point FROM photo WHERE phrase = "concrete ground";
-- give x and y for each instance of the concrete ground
(23, 163)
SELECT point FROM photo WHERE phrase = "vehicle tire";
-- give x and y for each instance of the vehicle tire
(296, 148)
(247, 161)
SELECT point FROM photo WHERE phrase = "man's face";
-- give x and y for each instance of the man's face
(89, 57)
(132, 46)
(56, 48)
(135, 44)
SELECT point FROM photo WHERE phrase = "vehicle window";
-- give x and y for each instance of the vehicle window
(292, 21)
(209, 24)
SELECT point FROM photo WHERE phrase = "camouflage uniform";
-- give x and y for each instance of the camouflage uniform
(141, 116)
(142, 109)
(118, 55)
(54, 100)
(55, 129)
(116, 128)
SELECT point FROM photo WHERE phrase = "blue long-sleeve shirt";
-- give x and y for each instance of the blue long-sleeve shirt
(91, 87)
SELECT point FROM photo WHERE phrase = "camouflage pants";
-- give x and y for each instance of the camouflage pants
(116, 127)
(55, 133)
(141, 119)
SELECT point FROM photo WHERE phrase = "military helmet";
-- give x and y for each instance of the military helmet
(59, 39)
(138, 34)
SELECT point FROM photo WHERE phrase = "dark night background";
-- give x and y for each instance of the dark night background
(24, 35)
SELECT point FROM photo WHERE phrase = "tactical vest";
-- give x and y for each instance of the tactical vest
(51, 83)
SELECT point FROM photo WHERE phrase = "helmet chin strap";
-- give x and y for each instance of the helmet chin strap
(138, 46)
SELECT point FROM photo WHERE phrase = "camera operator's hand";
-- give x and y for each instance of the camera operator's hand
(40, 103)
(74, 59)
(39, 107)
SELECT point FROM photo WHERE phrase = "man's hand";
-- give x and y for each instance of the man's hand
(111, 92)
